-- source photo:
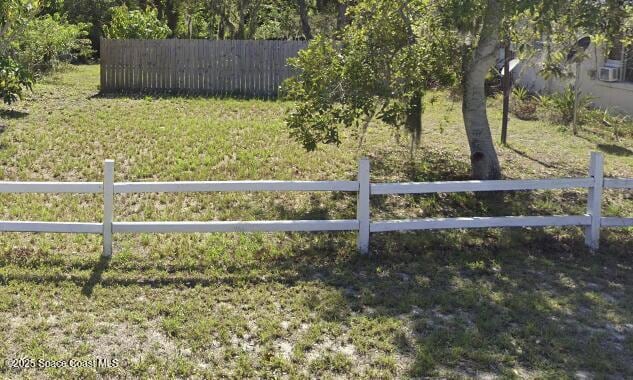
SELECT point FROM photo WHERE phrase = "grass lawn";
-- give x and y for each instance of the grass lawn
(491, 303)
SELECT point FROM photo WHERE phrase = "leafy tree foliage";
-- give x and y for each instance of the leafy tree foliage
(48, 41)
(95, 13)
(377, 68)
(14, 79)
(213, 19)
(31, 44)
(349, 81)
(135, 24)
(14, 17)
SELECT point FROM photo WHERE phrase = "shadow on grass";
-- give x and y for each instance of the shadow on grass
(489, 302)
(96, 276)
(486, 302)
(2, 129)
(615, 150)
(139, 95)
(428, 166)
(525, 155)
(606, 146)
(12, 114)
(507, 303)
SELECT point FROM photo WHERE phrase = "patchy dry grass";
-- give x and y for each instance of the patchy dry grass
(502, 303)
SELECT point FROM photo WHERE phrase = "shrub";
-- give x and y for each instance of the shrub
(13, 80)
(136, 24)
(193, 25)
(493, 83)
(523, 105)
(31, 45)
(48, 41)
(609, 124)
(559, 107)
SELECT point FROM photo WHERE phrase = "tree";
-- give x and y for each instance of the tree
(305, 22)
(14, 79)
(483, 158)
(469, 30)
(341, 19)
(507, 88)
(14, 17)
(14, 76)
(96, 13)
(49, 41)
(378, 67)
(128, 24)
(238, 19)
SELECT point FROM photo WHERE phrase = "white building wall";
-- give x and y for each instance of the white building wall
(615, 96)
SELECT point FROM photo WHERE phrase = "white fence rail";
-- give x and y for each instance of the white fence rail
(592, 220)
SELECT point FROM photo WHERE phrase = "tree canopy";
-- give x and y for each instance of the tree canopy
(35, 35)
(135, 24)
(379, 67)
(368, 59)
(392, 52)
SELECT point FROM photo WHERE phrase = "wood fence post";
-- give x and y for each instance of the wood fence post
(594, 201)
(108, 205)
(362, 211)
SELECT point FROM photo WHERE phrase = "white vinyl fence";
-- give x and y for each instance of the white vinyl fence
(593, 220)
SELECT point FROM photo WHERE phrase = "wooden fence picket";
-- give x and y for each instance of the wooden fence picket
(229, 67)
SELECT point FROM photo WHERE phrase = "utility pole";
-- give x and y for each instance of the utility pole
(576, 99)
(507, 84)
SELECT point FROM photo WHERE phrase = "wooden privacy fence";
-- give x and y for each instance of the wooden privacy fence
(215, 67)
(593, 220)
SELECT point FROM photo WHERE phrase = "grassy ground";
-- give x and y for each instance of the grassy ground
(506, 303)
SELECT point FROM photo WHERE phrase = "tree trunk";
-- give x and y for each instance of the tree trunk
(4, 28)
(483, 158)
(414, 119)
(172, 16)
(225, 27)
(241, 26)
(305, 22)
(221, 29)
(253, 19)
(341, 20)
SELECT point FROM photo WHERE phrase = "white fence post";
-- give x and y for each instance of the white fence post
(108, 203)
(594, 201)
(362, 211)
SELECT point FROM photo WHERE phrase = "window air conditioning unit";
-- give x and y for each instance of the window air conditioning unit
(609, 74)
(611, 71)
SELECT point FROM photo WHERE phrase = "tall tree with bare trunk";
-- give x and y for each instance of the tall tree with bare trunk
(305, 21)
(459, 35)
(483, 156)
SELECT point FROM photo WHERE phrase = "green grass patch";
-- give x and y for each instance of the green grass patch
(530, 303)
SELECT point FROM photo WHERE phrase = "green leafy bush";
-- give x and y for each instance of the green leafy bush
(378, 69)
(136, 24)
(559, 107)
(193, 26)
(13, 80)
(47, 41)
(521, 94)
(523, 105)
